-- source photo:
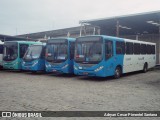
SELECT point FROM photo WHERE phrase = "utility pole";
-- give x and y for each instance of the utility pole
(159, 43)
(94, 31)
(117, 28)
(99, 31)
(80, 34)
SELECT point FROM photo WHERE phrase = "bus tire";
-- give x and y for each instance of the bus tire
(118, 72)
(145, 68)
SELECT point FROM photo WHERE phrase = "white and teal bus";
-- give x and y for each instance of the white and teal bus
(104, 56)
(1, 53)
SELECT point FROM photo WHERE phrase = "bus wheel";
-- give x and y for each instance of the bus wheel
(145, 68)
(117, 73)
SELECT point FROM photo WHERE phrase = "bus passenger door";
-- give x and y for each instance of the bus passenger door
(22, 51)
(1, 54)
(71, 50)
(109, 57)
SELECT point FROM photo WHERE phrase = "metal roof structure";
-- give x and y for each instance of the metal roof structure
(13, 38)
(144, 23)
(66, 32)
(52, 33)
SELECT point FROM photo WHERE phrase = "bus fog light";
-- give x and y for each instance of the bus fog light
(48, 65)
(34, 63)
(75, 67)
(65, 66)
(98, 69)
(80, 68)
(15, 63)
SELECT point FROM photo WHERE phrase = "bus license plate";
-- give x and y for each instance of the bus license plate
(85, 73)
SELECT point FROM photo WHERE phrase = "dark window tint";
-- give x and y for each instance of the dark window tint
(120, 47)
(136, 48)
(43, 52)
(149, 49)
(143, 49)
(23, 49)
(1, 49)
(72, 48)
(109, 49)
(129, 48)
(153, 49)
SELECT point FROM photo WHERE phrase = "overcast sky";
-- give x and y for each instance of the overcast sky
(29, 16)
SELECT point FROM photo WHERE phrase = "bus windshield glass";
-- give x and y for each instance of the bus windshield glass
(88, 50)
(33, 52)
(1, 49)
(10, 51)
(56, 51)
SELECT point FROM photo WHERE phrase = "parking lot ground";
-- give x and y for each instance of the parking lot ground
(25, 91)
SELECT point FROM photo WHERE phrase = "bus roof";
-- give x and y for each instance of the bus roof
(62, 38)
(119, 39)
(22, 42)
(104, 36)
(39, 43)
(137, 41)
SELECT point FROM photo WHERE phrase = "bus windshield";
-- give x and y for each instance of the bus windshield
(88, 51)
(1, 49)
(33, 52)
(10, 51)
(56, 52)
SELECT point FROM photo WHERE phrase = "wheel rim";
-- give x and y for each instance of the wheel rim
(117, 73)
(145, 68)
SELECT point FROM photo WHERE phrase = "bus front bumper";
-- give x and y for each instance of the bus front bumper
(30, 68)
(55, 69)
(89, 73)
(14, 66)
(33, 66)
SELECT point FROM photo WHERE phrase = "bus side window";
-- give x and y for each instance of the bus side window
(109, 49)
(23, 48)
(137, 49)
(129, 48)
(149, 49)
(153, 49)
(143, 49)
(120, 47)
(72, 48)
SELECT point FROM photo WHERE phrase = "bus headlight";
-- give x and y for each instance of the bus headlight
(75, 67)
(23, 62)
(65, 66)
(15, 63)
(34, 63)
(98, 69)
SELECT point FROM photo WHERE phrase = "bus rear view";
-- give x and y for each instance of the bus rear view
(59, 55)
